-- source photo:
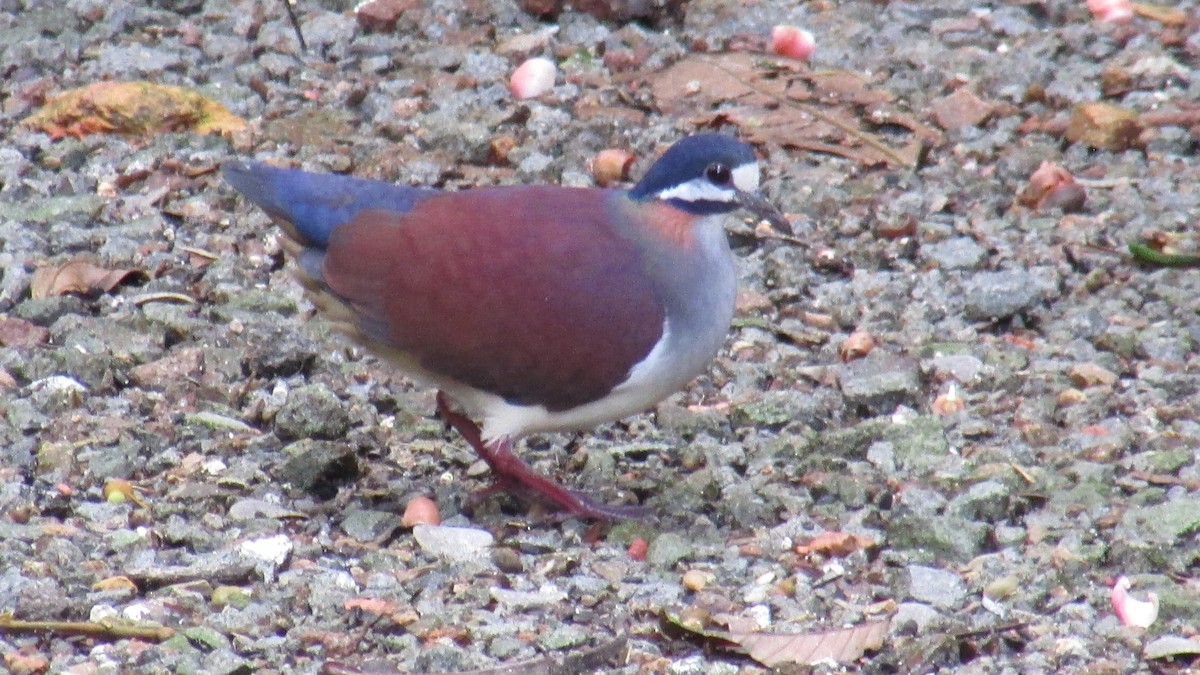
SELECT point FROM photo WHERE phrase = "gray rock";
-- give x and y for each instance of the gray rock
(1165, 523)
(883, 455)
(667, 549)
(57, 394)
(54, 209)
(955, 539)
(454, 543)
(444, 658)
(987, 501)
(365, 525)
(312, 411)
(22, 415)
(1169, 646)
(504, 647)
(963, 368)
(775, 410)
(936, 586)
(45, 311)
(995, 296)
(700, 665)
(878, 383)
(919, 615)
(955, 253)
(318, 467)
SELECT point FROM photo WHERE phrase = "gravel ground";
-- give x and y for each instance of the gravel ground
(1023, 433)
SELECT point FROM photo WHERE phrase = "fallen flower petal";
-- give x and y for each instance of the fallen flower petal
(1130, 611)
(793, 42)
(533, 78)
(1111, 11)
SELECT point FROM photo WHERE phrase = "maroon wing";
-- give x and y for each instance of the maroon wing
(524, 292)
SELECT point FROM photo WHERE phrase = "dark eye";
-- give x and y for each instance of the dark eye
(718, 173)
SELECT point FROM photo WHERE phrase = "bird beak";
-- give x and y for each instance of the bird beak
(765, 210)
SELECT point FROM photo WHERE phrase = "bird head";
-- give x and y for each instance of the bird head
(708, 174)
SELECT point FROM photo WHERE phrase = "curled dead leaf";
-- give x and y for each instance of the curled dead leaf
(1129, 610)
(611, 166)
(856, 346)
(76, 276)
(1052, 186)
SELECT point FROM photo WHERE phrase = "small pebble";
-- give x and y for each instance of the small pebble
(696, 580)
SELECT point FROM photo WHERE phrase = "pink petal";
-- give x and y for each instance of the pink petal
(1111, 11)
(792, 41)
(1130, 611)
(533, 78)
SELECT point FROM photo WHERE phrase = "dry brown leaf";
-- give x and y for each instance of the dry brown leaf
(835, 544)
(138, 108)
(781, 102)
(840, 645)
(76, 276)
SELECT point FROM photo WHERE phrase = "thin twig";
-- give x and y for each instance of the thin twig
(108, 631)
(295, 24)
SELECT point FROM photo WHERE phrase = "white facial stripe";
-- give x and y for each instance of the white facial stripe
(699, 189)
(745, 177)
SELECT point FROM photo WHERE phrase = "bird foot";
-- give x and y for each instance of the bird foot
(514, 476)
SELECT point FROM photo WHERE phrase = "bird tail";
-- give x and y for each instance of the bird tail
(309, 206)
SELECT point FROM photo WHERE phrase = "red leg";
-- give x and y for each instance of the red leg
(513, 475)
